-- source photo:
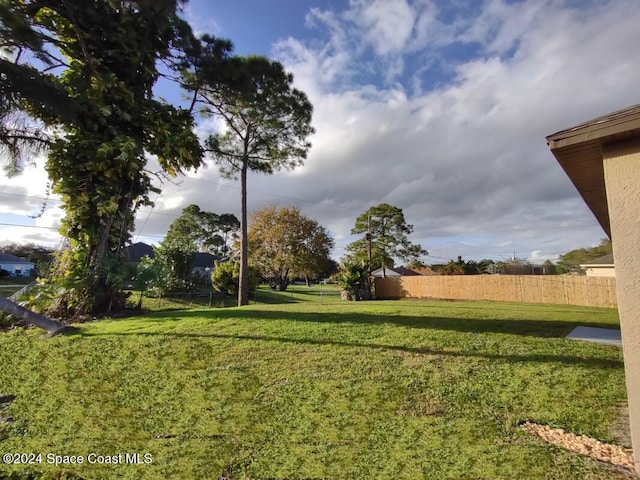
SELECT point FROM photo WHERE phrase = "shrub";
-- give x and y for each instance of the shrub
(226, 277)
(352, 278)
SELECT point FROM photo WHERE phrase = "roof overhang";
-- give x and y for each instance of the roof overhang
(579, 152)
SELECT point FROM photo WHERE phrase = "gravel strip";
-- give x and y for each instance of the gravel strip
(605, 452)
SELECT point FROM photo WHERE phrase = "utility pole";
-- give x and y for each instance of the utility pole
(369, 242)
(384, 250)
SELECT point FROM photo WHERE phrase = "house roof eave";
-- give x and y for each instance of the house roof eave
(578, 150)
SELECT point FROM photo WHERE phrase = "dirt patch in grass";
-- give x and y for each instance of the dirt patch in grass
(604, 452)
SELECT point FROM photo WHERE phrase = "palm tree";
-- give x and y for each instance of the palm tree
(353, 280)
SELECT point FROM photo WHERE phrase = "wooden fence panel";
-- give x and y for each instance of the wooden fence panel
(554, 289)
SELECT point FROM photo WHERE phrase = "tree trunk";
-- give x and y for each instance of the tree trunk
(243, 287)
(33, 318)
(347, 296)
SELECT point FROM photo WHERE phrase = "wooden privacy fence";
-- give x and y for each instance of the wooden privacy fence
(558, 289)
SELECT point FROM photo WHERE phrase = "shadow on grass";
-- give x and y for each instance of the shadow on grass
(536, 358)
(527, 327)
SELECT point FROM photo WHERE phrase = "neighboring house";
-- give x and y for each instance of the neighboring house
(16, 266)
(203, 263)
(426, 271)
(394, 272)
(135, 252)
(600, 267)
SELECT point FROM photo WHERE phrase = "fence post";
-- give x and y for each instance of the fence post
(210, 298)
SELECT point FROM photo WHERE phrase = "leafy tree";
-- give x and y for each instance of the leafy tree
(177, 255)
(285, 243)
(151, 275)
(460, 267)
(386, 228)
(570, 261)
(207, 230)
(22, 136)
(226, 277)
(451, 268)
(102, 57)
(266, 123)
(416, 264)
(353, 280)
(194, 230)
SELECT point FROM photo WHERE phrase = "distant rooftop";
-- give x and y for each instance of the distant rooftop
(7, 257)
(135, 251)
(604, 260)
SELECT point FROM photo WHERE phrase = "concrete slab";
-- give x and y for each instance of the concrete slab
(598, 335)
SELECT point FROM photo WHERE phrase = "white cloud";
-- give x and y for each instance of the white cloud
(199, 23)
(458, 142)
(386, 24)
(470, 156)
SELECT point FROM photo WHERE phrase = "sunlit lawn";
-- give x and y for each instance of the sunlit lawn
(305, 389)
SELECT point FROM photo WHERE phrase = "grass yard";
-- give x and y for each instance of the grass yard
(295, 294)
(304, 389)
(10, 285)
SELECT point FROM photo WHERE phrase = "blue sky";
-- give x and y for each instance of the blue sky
(438, 107)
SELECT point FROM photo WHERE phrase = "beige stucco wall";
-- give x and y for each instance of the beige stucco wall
(622, 179)
(600, 271)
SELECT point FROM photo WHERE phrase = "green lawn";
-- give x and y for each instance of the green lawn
(10, 285)
(304, 389)
(295, 294)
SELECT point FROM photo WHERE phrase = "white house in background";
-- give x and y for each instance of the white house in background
(600, 267)
(16, 266)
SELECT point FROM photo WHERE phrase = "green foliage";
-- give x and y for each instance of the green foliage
(460, 267)
(21, 136)
(192, 231)
(451, 268)
(152, 276)
(388, 232)
(208, 231)
(284, 243)
(111, 120)
(176, 255)
(226, 277)
(352, 277)
(262, 108)
(570, 261)
(416, 264)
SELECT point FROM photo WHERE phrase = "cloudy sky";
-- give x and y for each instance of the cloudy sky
(438, 107)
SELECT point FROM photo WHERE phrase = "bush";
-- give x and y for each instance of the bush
(352, 278)
(226, 277)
